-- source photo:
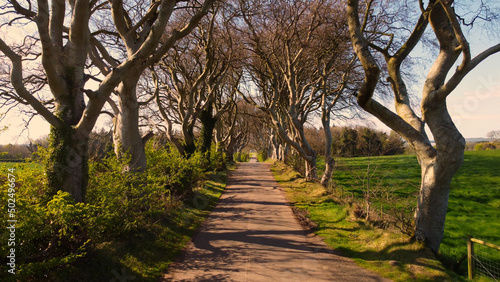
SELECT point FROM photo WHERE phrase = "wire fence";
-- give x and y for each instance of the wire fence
(483, 259)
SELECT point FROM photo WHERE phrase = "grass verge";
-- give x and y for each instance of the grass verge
(384, 251)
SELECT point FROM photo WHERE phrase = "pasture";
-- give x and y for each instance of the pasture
(390, 185)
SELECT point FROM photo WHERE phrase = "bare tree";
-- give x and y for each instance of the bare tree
(237, 128)
(198, 81)
(131, 27)
(493, 135)
(64, 55)
(439, 163)
(299, 64)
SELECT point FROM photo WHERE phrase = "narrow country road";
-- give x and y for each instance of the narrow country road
(253, 235)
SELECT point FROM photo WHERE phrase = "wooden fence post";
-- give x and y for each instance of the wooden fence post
(470, 254)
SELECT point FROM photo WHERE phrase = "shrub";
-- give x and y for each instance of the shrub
(241, 157)
(50, 230)
(245, 157)
(216, 162)
(53, 230)
(262, 156)
(484, 146)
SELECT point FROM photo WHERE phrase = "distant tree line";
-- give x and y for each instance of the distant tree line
(11, 152)
(357, 141)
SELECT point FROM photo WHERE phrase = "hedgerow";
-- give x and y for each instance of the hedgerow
(53, 231)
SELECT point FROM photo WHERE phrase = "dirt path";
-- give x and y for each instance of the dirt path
(252, 235)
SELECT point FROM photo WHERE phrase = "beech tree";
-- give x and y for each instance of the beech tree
(300, 64)
(131, 27)
(237, 128)
(63, 59)
(197, 81)
(438, 163)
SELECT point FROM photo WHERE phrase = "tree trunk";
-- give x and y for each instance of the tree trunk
(67, 169)
(311, 170)
(229, 151)
(126, 136)
(437, 173)
(329, 161)
(189, 148)
(208, 122)
(283, 150)
(327, 174)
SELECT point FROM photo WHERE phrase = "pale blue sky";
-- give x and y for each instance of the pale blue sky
(474, 106)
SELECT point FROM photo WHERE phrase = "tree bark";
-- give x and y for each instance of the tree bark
(189, 145)
(208, 121)
(311, 170)
(329, 161)
(437, 173)
(68, 163)
(126, 136)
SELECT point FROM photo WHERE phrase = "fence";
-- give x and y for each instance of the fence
(480, 260)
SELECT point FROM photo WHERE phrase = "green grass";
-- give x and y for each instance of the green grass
(474, 208)
(474, 205)
(28, 166)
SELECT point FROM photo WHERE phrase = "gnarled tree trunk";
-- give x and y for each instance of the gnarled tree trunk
(126, 136)
(311, 170)
(329, 161)
(208, 122)
(68, 163)
(437, 171)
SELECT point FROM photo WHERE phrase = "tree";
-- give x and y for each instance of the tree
(298, 63)
(376, 44)
(198, 79)
(132, 29)
(493, 135)
(348, 140)
(235, 128)
(63, 61)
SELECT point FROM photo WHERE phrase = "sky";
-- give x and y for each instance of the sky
(474, 107)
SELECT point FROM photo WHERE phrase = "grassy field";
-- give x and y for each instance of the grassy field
(393, 184)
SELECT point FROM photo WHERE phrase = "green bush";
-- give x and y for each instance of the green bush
(484, 146)
(216, 159)
(241, 157)
(50, 231)
(245, 157)
(262, 156)
(168, 168)
(55, 231)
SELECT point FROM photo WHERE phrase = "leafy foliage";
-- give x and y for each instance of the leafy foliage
(365, 141)
(241, 157)
(54, 232)
(262, 156)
